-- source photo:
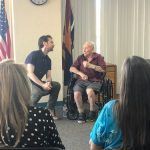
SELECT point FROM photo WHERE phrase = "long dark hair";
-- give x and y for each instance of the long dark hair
(133, 108)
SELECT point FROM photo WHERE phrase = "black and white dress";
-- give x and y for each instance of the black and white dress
(40, 131)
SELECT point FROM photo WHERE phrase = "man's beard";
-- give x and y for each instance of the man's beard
(50, 49)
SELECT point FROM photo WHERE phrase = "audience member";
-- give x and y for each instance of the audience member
(89, 68)
(38, 65)
(22, 125)
(125, 123)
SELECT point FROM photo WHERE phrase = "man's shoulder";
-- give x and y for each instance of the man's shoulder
(34, 52)
(97, 54)
(80, 56)
(32, 55)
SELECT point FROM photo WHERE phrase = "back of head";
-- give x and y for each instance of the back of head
(134, 104)
(14, 99)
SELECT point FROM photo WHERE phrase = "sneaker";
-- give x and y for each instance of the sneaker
(53, 114)
(55, 117)
(92, 116)
(81, 118)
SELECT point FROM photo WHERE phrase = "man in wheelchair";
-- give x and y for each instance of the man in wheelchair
(89, 68)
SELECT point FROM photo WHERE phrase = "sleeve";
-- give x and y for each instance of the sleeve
(49, 64)
(52, 137)
(77, 63)
(98, 132)
(101, 62)
(31, 59)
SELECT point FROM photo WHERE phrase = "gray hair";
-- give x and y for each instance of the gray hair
(91, 43)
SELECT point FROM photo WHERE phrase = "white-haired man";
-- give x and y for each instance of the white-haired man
(89, 68)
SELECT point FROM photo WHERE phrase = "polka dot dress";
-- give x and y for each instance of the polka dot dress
(40, 131)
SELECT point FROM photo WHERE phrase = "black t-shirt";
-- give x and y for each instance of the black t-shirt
(41, 63)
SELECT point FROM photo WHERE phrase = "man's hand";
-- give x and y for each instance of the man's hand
(99, 69)
(92, 66)
(83, 76)
(47, 86)
(86, 64)
(76, 71)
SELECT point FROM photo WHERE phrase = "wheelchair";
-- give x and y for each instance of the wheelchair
(103, 96)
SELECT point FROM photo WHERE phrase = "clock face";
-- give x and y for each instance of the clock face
(38, 2)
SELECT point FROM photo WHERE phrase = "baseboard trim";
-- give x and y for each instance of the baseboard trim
(43, 104)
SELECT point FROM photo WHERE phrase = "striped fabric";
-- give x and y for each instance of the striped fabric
(68, 42)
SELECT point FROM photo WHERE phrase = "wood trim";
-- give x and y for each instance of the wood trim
(111, 73)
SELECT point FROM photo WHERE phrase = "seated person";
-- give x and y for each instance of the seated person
(39, 64)
(124, 124)
(88, 67)
(22, 125)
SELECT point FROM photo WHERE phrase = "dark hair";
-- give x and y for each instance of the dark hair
(42, 39)
(133, 108)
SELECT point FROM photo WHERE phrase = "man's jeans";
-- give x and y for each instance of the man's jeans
(38, 92)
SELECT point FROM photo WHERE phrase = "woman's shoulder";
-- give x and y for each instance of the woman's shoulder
(110, 104)
(107, 110)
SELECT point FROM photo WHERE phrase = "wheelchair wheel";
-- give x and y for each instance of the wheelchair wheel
(72, 115)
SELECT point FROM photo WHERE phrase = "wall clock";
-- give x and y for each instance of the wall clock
(39, 2)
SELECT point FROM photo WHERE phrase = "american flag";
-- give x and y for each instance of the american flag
(68, 42)
(5, 43)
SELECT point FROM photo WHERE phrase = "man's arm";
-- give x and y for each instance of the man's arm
(34, 78)
(76, 71)
(92, 66)
(48, 76)
(93, 146)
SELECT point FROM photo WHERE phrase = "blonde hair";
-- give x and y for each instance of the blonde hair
(14, 98)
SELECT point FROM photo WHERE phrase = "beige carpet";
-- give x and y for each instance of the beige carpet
(74, 136)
